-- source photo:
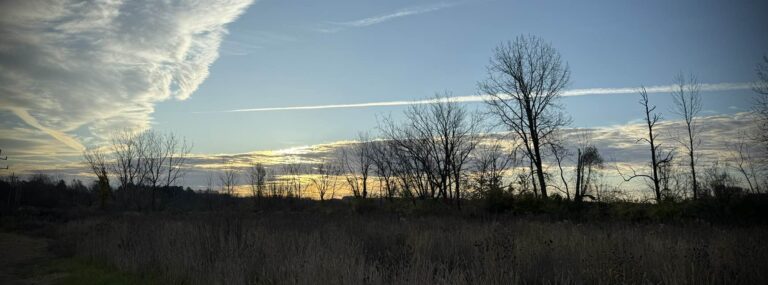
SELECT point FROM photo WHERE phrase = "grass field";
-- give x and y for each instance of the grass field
(313, 248)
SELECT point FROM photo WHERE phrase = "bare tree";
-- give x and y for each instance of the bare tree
(358, 160)
(760, 109)
(3, 158)
(491, 162)
(295, 171)
(97, 161)
(228, 178)
(745, 163)
(525, 80)
(659, 157)
(257, 180)
(440, 136)
(384, 160)
(325, 178)
(127, 149)
(688, 105)
(561, 153)
(178, 150)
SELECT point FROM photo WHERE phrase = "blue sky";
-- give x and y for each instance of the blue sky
(277, 55)
(70, 74)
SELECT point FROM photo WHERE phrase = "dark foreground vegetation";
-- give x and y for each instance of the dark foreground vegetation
(208, 238)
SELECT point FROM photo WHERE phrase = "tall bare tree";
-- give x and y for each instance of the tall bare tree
(687, 102)
(525, 80)
(659, 157)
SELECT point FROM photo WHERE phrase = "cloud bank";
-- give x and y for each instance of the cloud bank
(89, 67)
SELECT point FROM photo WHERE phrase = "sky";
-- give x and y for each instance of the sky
(72, 72)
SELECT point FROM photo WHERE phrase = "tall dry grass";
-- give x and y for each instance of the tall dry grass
(301, 248)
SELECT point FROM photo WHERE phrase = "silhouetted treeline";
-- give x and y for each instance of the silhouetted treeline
(42, 195)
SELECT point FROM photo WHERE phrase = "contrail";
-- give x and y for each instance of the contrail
(60, 136)
(706, 87)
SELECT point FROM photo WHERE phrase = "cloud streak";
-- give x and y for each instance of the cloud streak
(370, 21)
(707, 87)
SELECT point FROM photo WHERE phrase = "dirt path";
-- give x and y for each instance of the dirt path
(20, 254)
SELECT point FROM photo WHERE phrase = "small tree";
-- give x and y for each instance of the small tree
(745, 163)
(228, 178)
(490, 164)
(257, 180)
(588, 160)
(96, 160)
(325, 178)
(3, 158)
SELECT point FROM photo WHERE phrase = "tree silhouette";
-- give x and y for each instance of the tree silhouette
(688, 105)
(659, 157)
(525, 79)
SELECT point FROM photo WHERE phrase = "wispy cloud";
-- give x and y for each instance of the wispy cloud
(707, 87)
(91, 67)
(411, 11)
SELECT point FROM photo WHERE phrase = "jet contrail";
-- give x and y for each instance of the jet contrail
(24, 115)
(706, 87)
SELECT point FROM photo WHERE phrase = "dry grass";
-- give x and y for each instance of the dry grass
(321, 249)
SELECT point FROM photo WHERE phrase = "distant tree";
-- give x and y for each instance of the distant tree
(97, 162)
(560, 153)
(295, 171)
(178, 150)
(257, 180)
(687, 102)
(325, 178)
(228, 178)
(490, 165)
(358, 160)
(588, 161)
(526, 78)
(127, 149)
(659, 157)
(3, 158)
(384, 162)
(745, 163)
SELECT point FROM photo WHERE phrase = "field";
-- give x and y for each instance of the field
(379, 248)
